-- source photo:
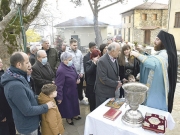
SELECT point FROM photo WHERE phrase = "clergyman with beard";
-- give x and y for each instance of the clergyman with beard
(159, 72)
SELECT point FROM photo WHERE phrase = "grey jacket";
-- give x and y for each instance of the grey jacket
(106, 77)
(77, 59)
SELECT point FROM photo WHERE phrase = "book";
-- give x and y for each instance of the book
(112, 114)
(115, 104)
(155, 122)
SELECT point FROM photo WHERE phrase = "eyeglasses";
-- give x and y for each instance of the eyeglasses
(29, 69)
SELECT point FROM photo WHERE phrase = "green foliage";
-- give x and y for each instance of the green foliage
(135, 43)
(144, 45)
(4, 7)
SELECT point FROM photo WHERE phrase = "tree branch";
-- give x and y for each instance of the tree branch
(90, 4)
(110, 5)
(34, 13)
(8, 18)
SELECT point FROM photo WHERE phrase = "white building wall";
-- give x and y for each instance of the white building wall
(85, 34)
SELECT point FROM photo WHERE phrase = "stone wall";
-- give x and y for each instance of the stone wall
(138, 36)
(162, 16)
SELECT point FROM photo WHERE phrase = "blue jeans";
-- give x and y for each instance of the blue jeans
(32, 133)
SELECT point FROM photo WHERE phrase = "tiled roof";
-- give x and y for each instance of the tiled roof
(149, 5)
(79, 22)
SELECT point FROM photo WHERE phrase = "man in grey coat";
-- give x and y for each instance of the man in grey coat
(107, 77)
(77, 59)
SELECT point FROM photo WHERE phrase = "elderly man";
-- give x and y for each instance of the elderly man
(77, 59)
(20, 97)
(33, 51)
(52, 55)
(107, 77)
(42, 72)
(159, 72)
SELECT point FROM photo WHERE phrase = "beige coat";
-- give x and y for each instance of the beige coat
(51, 123)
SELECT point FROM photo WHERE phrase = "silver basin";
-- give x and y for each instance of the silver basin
(135, 94)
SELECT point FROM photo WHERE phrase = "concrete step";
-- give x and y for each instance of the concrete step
(178, 76)
(178, 80)
(178, 72)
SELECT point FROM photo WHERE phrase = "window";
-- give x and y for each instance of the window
(144, 17)
(129, 19)
(119, 32)
(177, 20)
(124, 19)
(154, 16)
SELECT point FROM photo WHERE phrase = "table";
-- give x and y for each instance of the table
(96, 124)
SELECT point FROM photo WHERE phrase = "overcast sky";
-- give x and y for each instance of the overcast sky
(109, 15)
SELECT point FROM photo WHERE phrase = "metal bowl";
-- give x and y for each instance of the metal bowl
(135, 94)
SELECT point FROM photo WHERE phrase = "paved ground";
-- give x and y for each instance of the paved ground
(78, 128)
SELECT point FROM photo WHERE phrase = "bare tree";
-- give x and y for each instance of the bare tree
(10, 25)
(46, 18)
(96, 8)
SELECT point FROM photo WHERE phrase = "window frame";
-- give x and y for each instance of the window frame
(177, 20)
(154, 17)
(144, 16)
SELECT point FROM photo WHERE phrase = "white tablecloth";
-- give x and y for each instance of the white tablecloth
(96, 124)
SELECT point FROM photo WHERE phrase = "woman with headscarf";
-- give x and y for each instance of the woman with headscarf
(127, 66)
(159, 72)
(91, 66)
(67, 94)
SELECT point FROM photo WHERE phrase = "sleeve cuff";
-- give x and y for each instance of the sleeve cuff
(142, 58)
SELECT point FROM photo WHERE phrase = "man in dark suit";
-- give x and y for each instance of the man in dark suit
(107, 79)
(42, 72)
(86, 58)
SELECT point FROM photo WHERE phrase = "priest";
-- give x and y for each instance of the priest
(159, 72)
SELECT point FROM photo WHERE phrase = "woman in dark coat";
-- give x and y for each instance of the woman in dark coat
(91, 77)
(103, 49)
(7, 126)
(67, 94)
(127, 66)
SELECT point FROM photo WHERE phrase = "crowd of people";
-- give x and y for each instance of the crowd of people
(50, 84)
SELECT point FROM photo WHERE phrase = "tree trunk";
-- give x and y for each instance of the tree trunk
(10, 30)
(98, 39)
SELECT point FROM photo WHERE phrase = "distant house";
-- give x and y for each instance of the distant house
(143, 22)
(174, 21)
(82, 29)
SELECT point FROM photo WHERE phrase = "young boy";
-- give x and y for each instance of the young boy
(51, 123)
(131, 78)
